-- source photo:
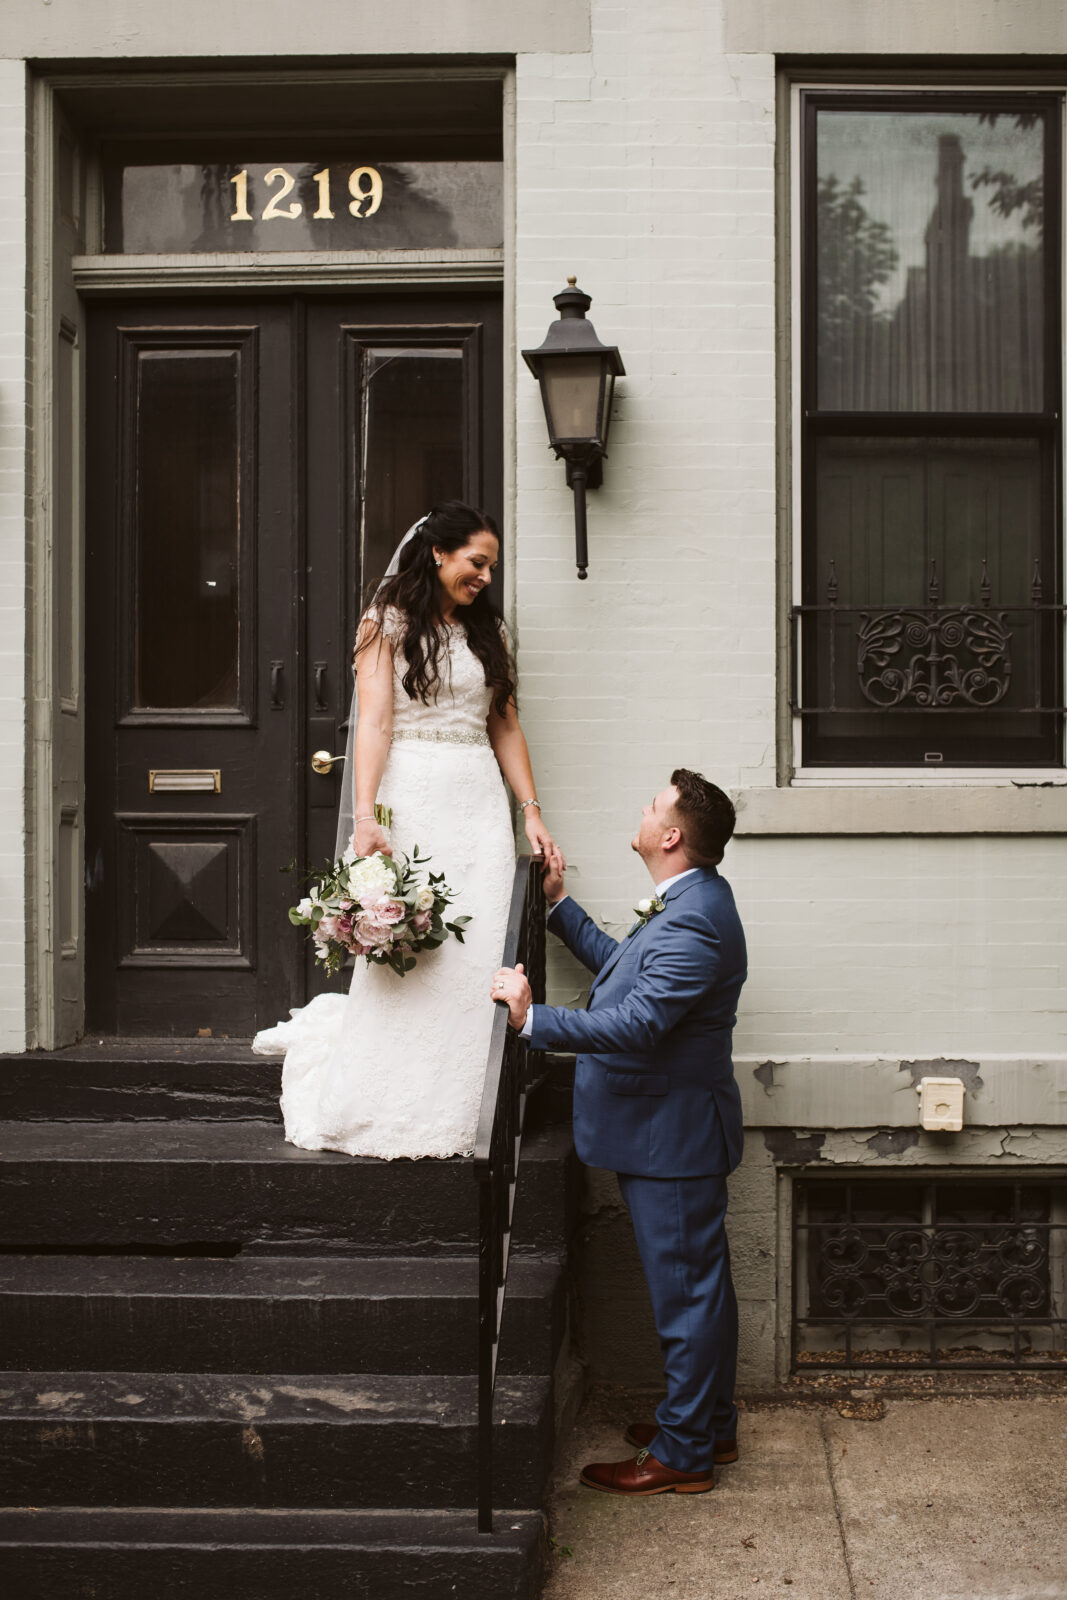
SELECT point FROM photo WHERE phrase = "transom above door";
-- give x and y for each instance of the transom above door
(251, 467)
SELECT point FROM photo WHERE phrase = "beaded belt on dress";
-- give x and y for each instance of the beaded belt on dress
(443, 735)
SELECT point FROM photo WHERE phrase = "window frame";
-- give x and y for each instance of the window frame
(862, 763)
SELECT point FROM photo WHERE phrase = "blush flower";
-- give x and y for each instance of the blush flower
(370, 931)
(390, 912)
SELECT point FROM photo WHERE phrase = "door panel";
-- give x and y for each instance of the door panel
(191, 598)
(404, 409)
(252, 467)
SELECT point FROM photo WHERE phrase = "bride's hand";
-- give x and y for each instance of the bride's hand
(541, 841)
(369, 837)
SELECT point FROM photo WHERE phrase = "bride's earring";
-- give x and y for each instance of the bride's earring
(436, 561)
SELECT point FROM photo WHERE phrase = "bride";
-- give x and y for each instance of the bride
(395, 1068)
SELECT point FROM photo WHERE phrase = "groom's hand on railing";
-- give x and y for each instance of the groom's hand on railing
(511, 988)
(552, 881)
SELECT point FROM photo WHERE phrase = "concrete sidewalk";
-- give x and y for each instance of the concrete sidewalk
(947, 1498)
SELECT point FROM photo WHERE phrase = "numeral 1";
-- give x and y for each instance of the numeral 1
(323, 180)
(240, 183)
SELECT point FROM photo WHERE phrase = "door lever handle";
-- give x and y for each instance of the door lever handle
(276, 685)
(322, 762)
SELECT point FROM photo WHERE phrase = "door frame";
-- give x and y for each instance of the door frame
(68, 269)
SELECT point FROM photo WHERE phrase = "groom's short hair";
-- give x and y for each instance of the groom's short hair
(705, 815)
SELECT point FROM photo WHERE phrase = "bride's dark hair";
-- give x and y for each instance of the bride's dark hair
(415, 591)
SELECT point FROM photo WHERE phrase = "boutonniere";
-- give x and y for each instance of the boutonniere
(645, 910)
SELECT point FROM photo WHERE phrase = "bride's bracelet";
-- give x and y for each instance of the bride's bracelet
(367, 819)
(526, 803)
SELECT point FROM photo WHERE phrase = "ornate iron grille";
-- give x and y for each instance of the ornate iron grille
(961, 1273)
(932, 657)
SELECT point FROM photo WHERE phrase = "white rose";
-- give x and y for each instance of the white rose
(371, 876)
(643, 908)
(424, 899)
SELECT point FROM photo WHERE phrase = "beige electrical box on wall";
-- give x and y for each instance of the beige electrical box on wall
(941, 1104)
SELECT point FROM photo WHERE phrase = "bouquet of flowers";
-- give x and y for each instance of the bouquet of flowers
(380, 907)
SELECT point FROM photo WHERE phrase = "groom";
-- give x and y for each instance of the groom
(655, 1099)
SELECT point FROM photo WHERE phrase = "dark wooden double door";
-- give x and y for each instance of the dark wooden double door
(251, 467)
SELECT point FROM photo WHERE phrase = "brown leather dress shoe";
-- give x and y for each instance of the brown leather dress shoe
(643, 1474)
(642, 1434)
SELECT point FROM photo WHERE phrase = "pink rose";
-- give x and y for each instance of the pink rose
(421, 921)
(370, 931)
(390, 912)
(327, 929)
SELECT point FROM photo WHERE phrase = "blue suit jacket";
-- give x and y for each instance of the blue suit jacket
(654, 1090)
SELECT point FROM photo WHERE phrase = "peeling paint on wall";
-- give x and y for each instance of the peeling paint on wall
(764, 1074)
(892, 1142)
(969, 1071)
(787, 1146)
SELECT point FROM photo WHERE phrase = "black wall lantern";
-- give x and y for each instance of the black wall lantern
(577, 376)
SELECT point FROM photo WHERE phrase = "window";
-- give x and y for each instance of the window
(929, 1270)
(929, 629)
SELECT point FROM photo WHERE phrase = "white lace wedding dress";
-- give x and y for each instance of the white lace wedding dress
(395, 1067)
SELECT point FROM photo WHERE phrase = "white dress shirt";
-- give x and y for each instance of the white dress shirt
(661, 888)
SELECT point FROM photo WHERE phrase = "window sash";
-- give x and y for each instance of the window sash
(1012, 735)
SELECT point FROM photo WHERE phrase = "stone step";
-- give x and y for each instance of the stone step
(141, 1078)
(269, 1314)
(55, 1554)
(208, 1439)
(93, 1184)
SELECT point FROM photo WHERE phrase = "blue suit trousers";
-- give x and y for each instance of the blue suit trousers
(680, 1226)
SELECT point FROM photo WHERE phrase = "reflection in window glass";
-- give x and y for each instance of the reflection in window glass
(186, 530)
(412, 443)
(930, 260)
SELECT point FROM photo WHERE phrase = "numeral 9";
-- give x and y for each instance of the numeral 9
(359, 194)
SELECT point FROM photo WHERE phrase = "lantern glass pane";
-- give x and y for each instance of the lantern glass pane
(572, 389)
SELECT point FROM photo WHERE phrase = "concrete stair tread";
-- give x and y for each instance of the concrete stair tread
(276, 1278)
(249, 1140)
(99, 1185)
(250, 1526)
(201, 1440)
(269, 1313)
(262, 1398)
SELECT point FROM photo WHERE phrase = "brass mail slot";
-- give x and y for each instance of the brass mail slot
(185, 780)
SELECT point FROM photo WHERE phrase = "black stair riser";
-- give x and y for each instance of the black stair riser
(414, 1207)
(368, 1209)
(362, 1463)
(338, 1573)
(84, 1084)
(210, 1333)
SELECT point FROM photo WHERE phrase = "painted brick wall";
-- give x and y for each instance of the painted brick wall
(646, 167)
(12, 551)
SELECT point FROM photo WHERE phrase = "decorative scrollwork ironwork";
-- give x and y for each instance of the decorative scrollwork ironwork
(953, 656)
(922, 1271)
(929, 1272)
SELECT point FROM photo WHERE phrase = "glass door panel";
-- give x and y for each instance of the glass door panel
(186, 537)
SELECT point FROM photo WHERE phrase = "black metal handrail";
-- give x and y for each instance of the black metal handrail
(510, 1070)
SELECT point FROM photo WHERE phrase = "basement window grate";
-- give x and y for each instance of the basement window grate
(929, 1272)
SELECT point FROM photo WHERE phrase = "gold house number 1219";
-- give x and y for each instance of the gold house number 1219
(364, 185)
